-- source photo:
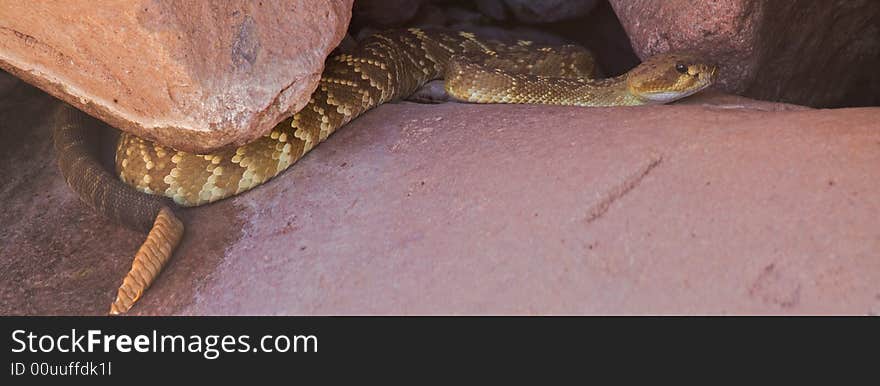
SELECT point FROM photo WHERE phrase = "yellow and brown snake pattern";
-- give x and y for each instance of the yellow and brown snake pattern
(390, 66)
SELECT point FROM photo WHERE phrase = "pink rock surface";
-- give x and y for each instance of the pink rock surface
(721, 205)
(193, 75)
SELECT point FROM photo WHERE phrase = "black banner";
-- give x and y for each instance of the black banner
(329, 349)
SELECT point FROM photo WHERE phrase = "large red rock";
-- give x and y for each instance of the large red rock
(818, 53)
(194, 75)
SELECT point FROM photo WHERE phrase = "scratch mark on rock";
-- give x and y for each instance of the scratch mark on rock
(598, 210)
(772, 287)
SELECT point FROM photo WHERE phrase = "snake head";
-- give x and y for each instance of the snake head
(669, 77)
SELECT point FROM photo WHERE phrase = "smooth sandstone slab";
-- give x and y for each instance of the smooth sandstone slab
(730, 208)
(195, 75)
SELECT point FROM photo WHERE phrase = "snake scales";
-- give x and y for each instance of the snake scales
(385, 67)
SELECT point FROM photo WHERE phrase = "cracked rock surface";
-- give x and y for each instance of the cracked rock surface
(720, 205)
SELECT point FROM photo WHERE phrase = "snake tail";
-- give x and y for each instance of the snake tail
(76, 148)
(149, 260)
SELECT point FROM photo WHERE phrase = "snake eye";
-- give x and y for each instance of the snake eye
(681, 67)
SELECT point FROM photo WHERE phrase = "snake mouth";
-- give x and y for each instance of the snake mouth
(703, 79)
(672, 96)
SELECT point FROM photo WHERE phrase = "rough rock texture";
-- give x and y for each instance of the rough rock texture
(818, 53)
(536, 11)
(193, 75)
(736, 207)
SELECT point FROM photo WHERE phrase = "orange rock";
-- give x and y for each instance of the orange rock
(193, 75)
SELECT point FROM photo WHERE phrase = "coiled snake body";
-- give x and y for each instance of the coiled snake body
(384, 67)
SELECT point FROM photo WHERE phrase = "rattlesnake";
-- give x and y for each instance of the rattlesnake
(387, 66)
